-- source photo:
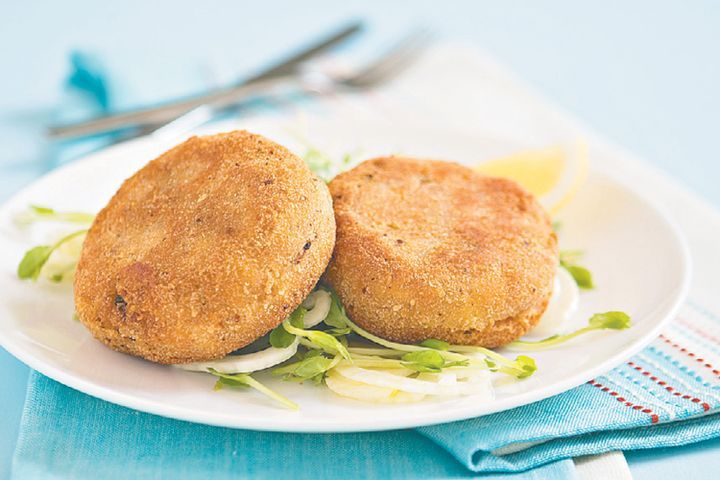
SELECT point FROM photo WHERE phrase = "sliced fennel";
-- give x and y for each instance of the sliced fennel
(345, 387)
(480, 383)
(246, 363)
(317, 305)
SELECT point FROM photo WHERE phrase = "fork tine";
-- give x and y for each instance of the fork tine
(391, 62)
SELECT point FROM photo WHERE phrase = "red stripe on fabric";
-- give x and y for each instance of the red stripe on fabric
(653, 417)
(670, 389)
(692, 355)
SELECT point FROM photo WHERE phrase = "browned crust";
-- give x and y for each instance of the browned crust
(205, 249)
(429, 249)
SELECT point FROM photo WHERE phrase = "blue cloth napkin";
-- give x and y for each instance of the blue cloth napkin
(661, 397)
(667, 395)
(67, 434)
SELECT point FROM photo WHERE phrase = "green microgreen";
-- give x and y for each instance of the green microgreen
(336, 317)
(424, 361)
(599, 321)
(430, 361)
(447, 355)
(35, 258)
(280, 337)
(246, 380)
(522, 367)
(583, 276)
(313, 365)
(323, 340)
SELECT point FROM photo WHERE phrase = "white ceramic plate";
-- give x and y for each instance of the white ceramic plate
(638, 258)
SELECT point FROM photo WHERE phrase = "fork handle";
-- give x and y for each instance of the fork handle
(169, 111)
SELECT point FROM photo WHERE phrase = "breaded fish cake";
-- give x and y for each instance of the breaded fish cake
(205, 249)
(429, 249)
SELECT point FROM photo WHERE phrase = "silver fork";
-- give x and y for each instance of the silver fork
(376, 72)
(390, 63)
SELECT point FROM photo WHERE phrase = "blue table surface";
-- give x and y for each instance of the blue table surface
(645, 74)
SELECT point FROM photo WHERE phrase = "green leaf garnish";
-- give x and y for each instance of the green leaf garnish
(599, 321)
(583, 277)
(280, 337)
(38, 213)
(33, 261)
(526, 365)
(246, 380)
(430, 361)
(522, 367)
(323, 340)
(610, 321)
(336, 317)
(424, 361)
(312, 366)
(297, 317)
(435, 344)
(35, 258)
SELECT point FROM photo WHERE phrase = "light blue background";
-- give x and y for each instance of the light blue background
(644, 73)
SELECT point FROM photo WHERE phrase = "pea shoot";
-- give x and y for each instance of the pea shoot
(599, 321)
(246, 380)
(32, 263)
(583, 276)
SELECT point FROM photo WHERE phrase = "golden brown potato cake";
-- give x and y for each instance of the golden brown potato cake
(429, 249)
(205, 249)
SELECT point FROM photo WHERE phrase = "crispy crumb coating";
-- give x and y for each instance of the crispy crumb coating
(429, 249)
(205, 249)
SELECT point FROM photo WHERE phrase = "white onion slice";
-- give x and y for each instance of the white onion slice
(562, 304)
(476, 384)
(318, 305)
(246, 363)
(368, 393)
(447, 378)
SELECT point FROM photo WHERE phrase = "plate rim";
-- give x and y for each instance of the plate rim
(260, 423)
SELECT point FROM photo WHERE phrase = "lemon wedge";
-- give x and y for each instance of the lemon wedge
(553, 174)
